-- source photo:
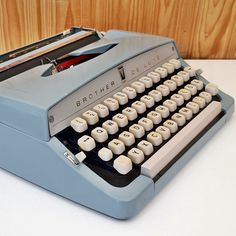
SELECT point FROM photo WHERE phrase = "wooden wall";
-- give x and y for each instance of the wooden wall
(202, 28)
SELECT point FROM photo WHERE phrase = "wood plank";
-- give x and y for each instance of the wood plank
(202, 28)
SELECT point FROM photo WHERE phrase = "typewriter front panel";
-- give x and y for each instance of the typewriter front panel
(119, 121)
(106, 85)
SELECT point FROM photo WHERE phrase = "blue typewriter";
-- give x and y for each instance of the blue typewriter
(104, 119)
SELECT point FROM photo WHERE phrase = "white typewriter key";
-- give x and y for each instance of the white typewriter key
(148, 100)
(101, 110)
(197, 83)
(127, 138)
(86, 143)
(155, 117)
(130, 92)
(120, 119)
(200, 101)
(140, 107)
(105, 154)
(122, 164)
(91, 117)
(170, 67)
(164, 111)
(190, 70)
(146, 123)
(111, 103)
(171, 105)
(184, 75)
(121, 97)
(99, 134)
(212, 89)
(137, 130)
(130, 112)
(80, 156)
(110, 126)
(136, 155)
(193, 106)
(138, 86)
(170, 84)
(157, 96)
(163, 89)
(179, 119)
(162, 71)
(185, 93)
(179, 99)
(163, 131)
(147, 81)
(207, 96)
(172, 125)
(192, 88)
(79, 124)
(154, 138)
(177, 79)
(116, 146)
(176, 63)
(186, 112)
(155, 76)
(146, 147)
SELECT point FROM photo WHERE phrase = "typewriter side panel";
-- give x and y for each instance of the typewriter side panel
(24, 116)
(44, 164)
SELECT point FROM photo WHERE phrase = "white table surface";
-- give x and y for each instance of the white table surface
(200, 200)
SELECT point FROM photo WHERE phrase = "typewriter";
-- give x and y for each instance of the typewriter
(104, 119)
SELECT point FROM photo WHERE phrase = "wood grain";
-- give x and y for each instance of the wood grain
(201, 28)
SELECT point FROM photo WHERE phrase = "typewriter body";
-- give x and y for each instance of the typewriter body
(104, 120)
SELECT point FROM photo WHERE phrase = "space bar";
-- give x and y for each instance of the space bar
(174, 146)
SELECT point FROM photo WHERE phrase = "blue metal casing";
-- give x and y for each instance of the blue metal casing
(29, 151)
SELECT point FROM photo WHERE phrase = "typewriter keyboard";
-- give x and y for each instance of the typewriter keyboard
(145, 126)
